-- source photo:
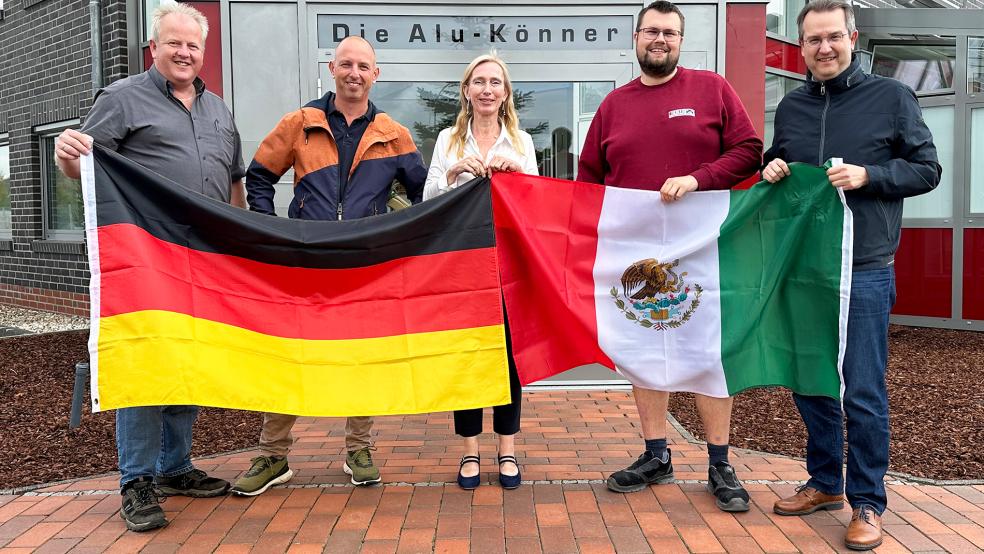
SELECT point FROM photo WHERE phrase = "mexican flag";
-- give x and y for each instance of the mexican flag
(715, 293)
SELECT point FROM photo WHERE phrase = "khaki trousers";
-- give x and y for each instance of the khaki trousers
(275, 437)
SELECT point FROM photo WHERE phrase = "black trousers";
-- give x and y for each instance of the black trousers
(505, 418)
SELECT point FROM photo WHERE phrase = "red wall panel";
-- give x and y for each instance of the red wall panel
(743, 58)
(212, 65)
(973, 274)
(782, 55)
(924, 273)
(743, 63)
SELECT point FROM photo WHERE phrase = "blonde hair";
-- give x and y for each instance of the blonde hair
(168, 8)
(508, 115)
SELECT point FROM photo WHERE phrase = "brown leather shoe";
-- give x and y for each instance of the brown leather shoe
(864, 532)
(806, 501)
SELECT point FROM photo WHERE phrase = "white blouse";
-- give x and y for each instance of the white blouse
(442, 160)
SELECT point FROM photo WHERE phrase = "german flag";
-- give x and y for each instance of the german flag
(198, 302)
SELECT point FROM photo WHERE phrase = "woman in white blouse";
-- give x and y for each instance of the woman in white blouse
(486, 137)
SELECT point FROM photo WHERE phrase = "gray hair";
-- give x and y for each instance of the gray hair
(168, 8)
(827, 6)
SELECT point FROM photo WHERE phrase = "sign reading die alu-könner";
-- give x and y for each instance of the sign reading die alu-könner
(595, 32)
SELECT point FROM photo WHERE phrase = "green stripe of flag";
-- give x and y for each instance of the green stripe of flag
(782, 255)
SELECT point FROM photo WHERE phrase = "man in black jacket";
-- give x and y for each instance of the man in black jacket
(875, 125)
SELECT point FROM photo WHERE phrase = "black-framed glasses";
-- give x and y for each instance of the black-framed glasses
(652, 33)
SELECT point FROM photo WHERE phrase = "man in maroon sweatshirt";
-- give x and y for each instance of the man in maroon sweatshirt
(674, 130)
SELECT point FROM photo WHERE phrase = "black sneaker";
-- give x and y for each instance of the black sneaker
(141, 508)
(647, 470)
(194, 483)
(722, 482)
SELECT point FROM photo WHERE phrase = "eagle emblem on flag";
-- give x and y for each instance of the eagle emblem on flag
(656, 297)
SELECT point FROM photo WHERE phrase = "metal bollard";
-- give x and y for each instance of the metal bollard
(81, 378)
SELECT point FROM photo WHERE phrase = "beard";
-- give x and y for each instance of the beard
(658, 69)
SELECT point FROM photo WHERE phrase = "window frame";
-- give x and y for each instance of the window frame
(45, 134)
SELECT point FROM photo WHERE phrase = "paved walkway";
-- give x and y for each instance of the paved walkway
(570, 441)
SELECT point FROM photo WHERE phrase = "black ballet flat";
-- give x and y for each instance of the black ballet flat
(509, 482)
(469, 483)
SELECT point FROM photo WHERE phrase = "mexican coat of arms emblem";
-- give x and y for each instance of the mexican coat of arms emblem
(654, 296)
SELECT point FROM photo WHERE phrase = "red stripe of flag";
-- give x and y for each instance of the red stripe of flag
(547, 234)
(450, 290)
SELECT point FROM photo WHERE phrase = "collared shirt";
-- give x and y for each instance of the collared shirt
(442, 160)
(347, 138)
(140, 118)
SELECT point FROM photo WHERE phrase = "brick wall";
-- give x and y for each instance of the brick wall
(45, 77)
(73, 303)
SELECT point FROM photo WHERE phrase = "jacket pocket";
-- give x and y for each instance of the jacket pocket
(297, 206)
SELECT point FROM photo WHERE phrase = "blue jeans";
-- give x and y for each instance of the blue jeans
(154, 441)
(865, 401)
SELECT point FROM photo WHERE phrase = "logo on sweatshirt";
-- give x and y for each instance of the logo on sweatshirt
(688, 112)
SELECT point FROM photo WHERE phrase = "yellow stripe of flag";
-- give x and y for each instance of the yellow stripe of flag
(148, 356)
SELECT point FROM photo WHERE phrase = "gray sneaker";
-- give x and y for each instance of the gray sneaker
(265, 472)
(359, 465)
(141, 509)
(729, 494)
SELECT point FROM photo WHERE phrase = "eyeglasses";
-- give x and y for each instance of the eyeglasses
(832, 39)
(480, 83)
(652, 33)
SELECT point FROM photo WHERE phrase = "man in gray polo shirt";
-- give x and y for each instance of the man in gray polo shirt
(165, 120)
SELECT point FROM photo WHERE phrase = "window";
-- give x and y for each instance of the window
(976, 162)
(776, 87)
(975, 65)
(148, 7)
(939, 202)
(5, 226)
(780, 17)
(924, 67)
(62, 197)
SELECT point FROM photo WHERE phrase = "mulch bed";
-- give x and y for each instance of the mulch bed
(37, 374)
(934, 377)
(936, 400)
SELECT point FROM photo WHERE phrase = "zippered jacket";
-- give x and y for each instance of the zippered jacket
(303, 140)
(870, 121)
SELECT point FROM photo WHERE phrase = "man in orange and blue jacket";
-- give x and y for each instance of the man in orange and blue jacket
(346, 154)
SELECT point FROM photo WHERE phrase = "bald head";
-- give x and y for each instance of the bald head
(353, 41)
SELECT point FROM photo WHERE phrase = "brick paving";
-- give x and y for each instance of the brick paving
(570, 441)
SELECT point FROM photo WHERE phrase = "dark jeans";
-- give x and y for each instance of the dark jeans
(505, 418)
(154, 441)
(865, 401)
